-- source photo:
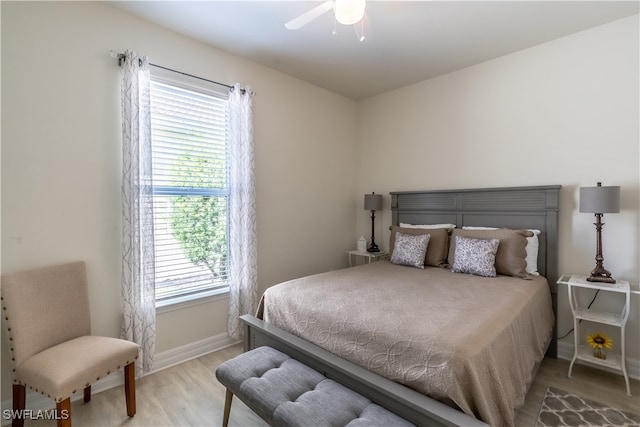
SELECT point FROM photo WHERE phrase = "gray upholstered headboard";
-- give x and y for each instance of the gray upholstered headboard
(509, 207)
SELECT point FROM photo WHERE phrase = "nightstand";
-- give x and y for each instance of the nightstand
(367, 255)
(618, 319)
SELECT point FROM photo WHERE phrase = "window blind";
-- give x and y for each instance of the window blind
(189, 135)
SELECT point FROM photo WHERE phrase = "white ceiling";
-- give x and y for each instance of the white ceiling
(406, 41)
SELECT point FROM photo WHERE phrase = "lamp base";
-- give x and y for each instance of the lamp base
(602, 279)
(600, 274)
(373, 248)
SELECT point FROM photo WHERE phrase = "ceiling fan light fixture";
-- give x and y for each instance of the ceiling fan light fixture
(348, 12)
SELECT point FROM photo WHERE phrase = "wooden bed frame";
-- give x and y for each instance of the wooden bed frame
(513, 207)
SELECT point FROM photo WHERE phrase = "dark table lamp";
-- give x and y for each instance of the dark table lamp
(373, 203)
(599, 200)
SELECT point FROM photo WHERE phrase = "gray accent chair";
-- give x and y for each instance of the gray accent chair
(48, 322)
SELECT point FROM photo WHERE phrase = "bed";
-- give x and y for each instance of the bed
(427, 339)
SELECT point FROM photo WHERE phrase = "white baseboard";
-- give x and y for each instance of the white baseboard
(175, 356)
(163, 360)
(565, 351)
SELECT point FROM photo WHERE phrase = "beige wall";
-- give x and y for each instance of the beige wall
(565, 112)
(62, 154)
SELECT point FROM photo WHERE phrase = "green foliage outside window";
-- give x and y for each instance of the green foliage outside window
(199, 223)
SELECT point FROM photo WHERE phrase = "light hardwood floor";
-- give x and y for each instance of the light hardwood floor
(190, 395)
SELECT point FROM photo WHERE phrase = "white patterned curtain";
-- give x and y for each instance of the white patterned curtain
(138, 271)
(243, 286)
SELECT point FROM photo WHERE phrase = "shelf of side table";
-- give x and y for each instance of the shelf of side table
(617, 319)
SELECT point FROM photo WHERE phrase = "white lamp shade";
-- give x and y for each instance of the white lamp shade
(349, 12)
(373, 202)
(600, 199)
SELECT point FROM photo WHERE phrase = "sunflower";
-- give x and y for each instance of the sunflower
(600, 341)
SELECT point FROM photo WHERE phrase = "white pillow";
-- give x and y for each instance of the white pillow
(427, 226)
(531, 248)
(532, 253)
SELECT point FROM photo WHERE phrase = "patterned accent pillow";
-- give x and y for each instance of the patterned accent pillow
(475, 256)
(410, 249)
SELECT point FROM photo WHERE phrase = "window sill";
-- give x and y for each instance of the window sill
(185, 301)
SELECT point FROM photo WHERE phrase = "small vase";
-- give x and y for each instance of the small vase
(599, 354)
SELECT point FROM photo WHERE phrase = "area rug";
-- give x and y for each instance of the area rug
(560, 408)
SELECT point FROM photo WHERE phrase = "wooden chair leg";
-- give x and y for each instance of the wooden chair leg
(63, 412)
(227, 408)
(19, 401)
(130, 388)
(87, 394)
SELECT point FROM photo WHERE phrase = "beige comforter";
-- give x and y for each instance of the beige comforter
(465, 340)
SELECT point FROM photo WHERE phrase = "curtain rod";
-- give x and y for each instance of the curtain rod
(191, 75)
(120, 56)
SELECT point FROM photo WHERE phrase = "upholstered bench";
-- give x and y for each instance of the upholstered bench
(285, 392)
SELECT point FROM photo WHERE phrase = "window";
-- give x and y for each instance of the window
(189, 135)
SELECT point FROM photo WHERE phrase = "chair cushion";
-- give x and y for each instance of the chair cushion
(65, 368)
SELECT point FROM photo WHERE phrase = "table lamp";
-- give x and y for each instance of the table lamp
(373, 203)
(599, 200)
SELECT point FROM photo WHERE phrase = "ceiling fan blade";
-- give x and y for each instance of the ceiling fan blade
(309, 16)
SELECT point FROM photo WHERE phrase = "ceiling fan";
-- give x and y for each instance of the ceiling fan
(346, 12)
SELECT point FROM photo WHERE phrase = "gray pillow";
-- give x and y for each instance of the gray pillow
(438, 247)
(410, 249)
(511, 255)
(475, 256)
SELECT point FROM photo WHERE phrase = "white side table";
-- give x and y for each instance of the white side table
(618, 319)
(368, 255)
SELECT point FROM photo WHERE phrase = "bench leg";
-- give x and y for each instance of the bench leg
(227, 408)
